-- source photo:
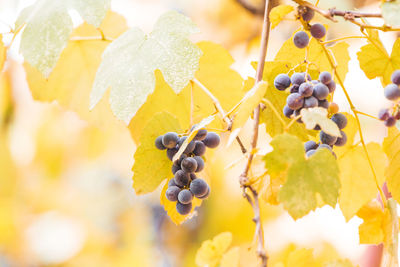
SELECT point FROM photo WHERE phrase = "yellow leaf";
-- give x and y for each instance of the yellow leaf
(231, 258)
(391, 237)
(278, 13)
(170, 207)
(319, 116)
(214, 72)
(211, 251)
(371, 230)
(71, 80)
(3, 53)
(356, 178)
(375, 61)
(152, 166)
(6, 99)
(391, 146)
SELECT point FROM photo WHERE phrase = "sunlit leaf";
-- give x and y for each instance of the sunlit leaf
(278, 13)
(390, 12)
(319, 116)
(391, 146)
(211, 251)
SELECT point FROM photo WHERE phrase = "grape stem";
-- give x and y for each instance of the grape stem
(366, 114)
(343, 38)
(244, 179)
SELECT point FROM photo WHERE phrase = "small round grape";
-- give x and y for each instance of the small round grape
(392, 92)
(298, 78)
(301, 39)
(212, 140)
(325, 77)
(327, 139)
(172, 193)
(341, 141)
(190, 147)
(171, 152)
(201, 134)
(311, 152)
(318, 31)
(193, 176)
(331, 86)
(206, 194)
(170, 139)
(181, 178)
(390, 122)
(183, 209)
(295, 101)
(321, 91)
(287, 111)
(340, 120)
(175, 168)
(306, 89)
(321, 146)
(199, 149)
(310, 102)
(172, 183)
(308, 14)
(185, 196)
(189, 165)
(159, 144)
(200, 163)
(397, 115)
(282, 81)
(198, 187)
(383, 114)
(333, 108)
(396, 77)
(297, 113)
(294, 89)
(323, 104)
(310, 145)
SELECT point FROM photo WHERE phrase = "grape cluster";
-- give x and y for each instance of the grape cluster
(301, 39)
(308, 93)
(185, 185)
(392, 92)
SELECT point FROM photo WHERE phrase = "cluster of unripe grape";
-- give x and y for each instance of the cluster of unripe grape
(185, 185)
(308, 93)
(392, 92)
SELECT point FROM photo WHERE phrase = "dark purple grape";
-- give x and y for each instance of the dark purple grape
(331, 86)
(327, 139)
(392, 91)
(306, 89)
(171, 152)
(185, 196)
(172, 183)
(189, 165)
(383, 114)
(311, 152)
(190, 147)
(396, 77)
(310, 102)
(170, 140)
(183, 209)
(321, 146)
(310, 145)
(159, 144)
(308, 14)
(192, 176)
(340, 120)
(181, 178)
(287, 111)
(318, 31)
(212, 140)
(321, 91)
(341, 141)
(298, 78)
(390, 122)
(295, 101)
(323, 104)
(282, 81)
(200, 163)
(325, 77)
(301, 39)
(175, 167)
(201, 134)
(206, 194)
(397, 115)
(199, 149)
(297, 113)
(198, 187)
(172, 193)
(294, 89)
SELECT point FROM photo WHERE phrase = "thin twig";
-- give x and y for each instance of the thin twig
(366, 114)
(343, 38)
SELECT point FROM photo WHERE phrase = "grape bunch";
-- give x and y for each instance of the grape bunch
(185, 185)
(308, 93)
(301, 39)
(392, 92)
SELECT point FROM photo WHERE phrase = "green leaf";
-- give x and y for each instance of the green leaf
(129, 63)
(48, 27)
(151, 165)
(390, 12)
(319, 116)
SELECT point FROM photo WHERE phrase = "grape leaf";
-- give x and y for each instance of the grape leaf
(211, 251)
(319, 116)
(170, 207)
(48, 26)
(391, 146)
(214, 72)
(151, 166)
(374, 59)
(356, 178)
(72, 78)
(305, 177)
(129, 63)
(231, 258)
(390, 12)
(278, 13)
(371, 230)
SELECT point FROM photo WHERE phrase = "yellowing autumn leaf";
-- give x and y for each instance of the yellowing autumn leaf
(278, 13)
(211, 251)
(49, 25)
(319, 116)
(151, 166)
(214, 72)
(170, 207)
(231, 258)
(356, 177)
(390, 12)
(374, 59)
(71, 80)
(371, 231)
(391, 146)
(129, 62)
